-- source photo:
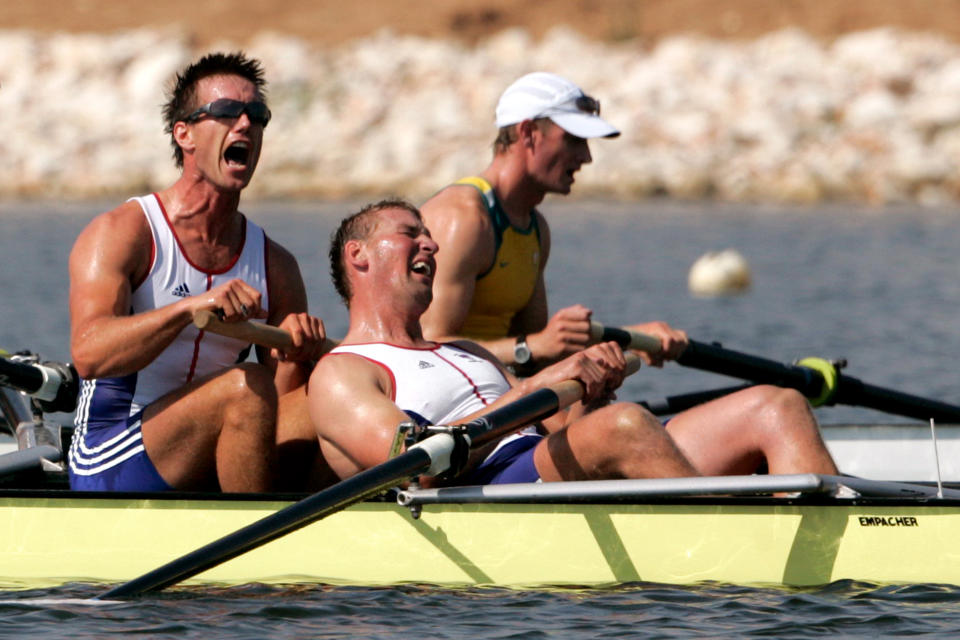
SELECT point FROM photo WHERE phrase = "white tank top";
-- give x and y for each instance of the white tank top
(193, 353)
(438, 384)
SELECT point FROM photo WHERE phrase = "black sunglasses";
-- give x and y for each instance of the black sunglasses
(588, 105)
(227, 108)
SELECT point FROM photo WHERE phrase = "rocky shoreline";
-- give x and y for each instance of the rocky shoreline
(872, 117)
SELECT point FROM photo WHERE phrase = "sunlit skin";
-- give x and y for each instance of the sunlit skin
(205, 141)
(400, 253)
(560, 155)
(222, 431)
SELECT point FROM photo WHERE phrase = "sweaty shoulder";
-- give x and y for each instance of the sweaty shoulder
(121, 234)
(126, 222)
(457, 219)
(457, 204)
(339, 374)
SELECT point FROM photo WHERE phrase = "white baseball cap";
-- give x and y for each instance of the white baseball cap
(547, 95)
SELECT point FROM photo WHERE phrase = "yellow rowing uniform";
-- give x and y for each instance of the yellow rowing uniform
(507, 285)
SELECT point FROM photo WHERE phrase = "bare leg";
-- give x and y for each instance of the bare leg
(734, 434)
(618, 441)
(301, 466)
(216, 431)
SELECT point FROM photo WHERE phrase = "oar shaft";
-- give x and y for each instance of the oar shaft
(854, 392)
(806, 380)
(708, 357)
(53, 384)
(809, 382)
(21, 376)
(675, 404)
(430, 456)
(298, 515)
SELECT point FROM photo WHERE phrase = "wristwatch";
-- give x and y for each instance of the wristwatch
(521, 352)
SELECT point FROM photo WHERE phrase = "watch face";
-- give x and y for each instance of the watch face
(521, 353)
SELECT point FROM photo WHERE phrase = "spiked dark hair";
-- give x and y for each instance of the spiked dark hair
(182, 100)
(358, 226)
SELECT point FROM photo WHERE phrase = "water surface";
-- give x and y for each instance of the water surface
(876, 287)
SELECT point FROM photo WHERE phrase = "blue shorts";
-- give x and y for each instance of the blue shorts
(111, 457)
(513, 462)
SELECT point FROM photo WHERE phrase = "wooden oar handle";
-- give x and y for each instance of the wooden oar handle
(626, 338)
(264, 335)
(256, 332)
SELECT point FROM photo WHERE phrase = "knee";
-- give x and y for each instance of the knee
(631, 422)
(774, 400)
(249, 383)
(782, 410)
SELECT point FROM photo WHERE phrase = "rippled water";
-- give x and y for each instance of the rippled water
(877, 287)
(641, 610)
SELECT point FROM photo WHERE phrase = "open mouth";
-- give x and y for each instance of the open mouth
(423, 268)
(238, 154)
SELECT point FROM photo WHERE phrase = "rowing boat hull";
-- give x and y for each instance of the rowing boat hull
(49, 540)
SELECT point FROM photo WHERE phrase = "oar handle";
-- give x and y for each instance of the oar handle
(259, 333)
(626, 338)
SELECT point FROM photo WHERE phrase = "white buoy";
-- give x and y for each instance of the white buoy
(719, 273)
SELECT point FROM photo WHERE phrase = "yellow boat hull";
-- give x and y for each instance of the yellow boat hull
(45, 541)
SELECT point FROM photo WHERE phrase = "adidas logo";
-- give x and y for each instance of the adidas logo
(182, 291)
(425, 365)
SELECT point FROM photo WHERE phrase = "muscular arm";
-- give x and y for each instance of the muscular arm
(110, 254)
(458, 222)
(349, 403)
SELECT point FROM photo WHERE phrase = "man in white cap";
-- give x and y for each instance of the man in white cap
(489, 283)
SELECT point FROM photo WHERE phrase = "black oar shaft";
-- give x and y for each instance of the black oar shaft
(681, 402)
(20, 376)
(708, 357)
(55, 385)
(809, 382)
(298, 515)
(854, 392)
(535, 406)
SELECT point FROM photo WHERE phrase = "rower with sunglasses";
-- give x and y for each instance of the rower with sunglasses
(163, 404)
(489, 281)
